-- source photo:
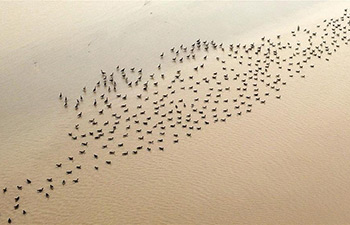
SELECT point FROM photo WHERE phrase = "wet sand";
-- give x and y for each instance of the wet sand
(283, 163)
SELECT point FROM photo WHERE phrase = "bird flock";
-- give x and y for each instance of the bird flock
(130, 112)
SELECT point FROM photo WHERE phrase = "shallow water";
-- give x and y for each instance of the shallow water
(284, 163)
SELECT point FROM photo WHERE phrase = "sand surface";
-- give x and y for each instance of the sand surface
(285, 162)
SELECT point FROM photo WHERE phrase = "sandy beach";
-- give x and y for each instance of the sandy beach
(174, 112)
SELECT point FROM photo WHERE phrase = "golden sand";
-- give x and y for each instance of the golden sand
(195, 147)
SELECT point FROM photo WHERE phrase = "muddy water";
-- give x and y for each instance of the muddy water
(286, 162)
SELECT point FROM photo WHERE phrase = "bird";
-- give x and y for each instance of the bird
(76, 180)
